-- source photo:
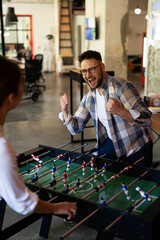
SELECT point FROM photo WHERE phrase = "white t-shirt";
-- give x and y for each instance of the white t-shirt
(12, 187)
(101, 113)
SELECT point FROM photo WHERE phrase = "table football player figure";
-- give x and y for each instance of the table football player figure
(104, 169)
(125, 189)
(143, 194)
(92, 163)
(36, 158)
(53, 175)
(96, 175)
(54, 182)
(35, 178)
(54, 169)
(103, 202)
(84, 167)
(77, 184)
(68, 163)
(38, 166)
(66, 191)
(64, 177)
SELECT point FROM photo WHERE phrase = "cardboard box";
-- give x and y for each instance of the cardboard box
(154, 101)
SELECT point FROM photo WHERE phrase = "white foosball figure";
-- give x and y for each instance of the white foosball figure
(143, 194)
(36, 158)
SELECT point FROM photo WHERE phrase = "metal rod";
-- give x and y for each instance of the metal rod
(111, 178)
(117, 219)
(79, 147)
(40, 155)
(64, 145)
(112, 198)
(55, 158)
(2, 29)
(80, 223)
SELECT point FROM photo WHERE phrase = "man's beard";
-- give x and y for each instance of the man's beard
(100, 81)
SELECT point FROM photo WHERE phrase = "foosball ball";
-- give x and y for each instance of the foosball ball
(115, 198)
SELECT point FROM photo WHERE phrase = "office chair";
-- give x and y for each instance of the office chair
(32, 74)
(39, 57)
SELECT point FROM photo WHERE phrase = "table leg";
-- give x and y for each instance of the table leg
(45, 225)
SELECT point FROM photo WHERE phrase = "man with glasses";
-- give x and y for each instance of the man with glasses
(121, 119)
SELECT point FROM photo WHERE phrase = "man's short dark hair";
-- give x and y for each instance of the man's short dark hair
(89, 55)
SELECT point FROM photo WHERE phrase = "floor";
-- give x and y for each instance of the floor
(34, 123)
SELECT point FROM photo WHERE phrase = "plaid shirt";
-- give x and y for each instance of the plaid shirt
(127, 138)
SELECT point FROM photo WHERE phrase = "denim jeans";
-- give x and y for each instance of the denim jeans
(108, 149)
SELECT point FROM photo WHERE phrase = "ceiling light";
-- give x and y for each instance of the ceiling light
(11, 18)
(6, 34)
(137, 10)
(147, 17)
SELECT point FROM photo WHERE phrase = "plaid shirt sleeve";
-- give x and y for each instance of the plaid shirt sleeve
(76, 123)
(132, 101)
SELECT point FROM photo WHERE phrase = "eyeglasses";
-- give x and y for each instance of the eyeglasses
(91, 70)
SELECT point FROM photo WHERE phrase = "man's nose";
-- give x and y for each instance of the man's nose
(88, 74)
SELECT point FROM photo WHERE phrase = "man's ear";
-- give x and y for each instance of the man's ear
(11, 100)
(103, 66)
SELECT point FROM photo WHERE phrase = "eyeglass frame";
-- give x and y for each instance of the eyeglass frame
(89, 70)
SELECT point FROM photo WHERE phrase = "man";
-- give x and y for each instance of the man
(121, 119)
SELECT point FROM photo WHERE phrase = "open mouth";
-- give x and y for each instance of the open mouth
(92, 81)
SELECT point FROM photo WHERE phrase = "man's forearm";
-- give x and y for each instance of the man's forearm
(65, 115)
(126, 115)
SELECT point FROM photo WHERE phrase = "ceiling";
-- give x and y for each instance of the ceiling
(29, 1)
(143, 4)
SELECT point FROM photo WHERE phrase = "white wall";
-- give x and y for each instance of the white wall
(116, 36)
(137, 25)
(152, 76)
(43, 20)
(96, 8)
(78, 21)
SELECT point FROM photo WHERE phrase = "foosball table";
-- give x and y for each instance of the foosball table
(113, 197)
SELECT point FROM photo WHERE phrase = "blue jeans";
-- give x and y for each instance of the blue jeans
(146, 151)
(108, 149)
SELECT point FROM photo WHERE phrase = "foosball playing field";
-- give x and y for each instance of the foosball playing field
(113, 197)
(88, 182)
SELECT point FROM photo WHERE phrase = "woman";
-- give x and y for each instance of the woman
(12, 187)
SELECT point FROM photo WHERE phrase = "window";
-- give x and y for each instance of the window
(18, 36)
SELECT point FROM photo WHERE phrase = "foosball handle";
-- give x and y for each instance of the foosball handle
(155, 165)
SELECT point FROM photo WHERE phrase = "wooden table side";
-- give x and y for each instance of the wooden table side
(156, 122)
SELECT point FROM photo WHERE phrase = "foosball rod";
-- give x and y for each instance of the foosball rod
(62, 155)
(74, 171)
(67, 175)
(40, 155)
(93, 173)
(56, 158)
(71, 172)
(48, 185)
(78, 224)
(88, 176)
(46, 173)
(116, 195)
(111, 178)
(100, 171)
(94, 212)
(81, 181)
(127, 211)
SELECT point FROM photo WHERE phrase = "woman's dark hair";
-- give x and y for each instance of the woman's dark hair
(89, 55)
(10, 77)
